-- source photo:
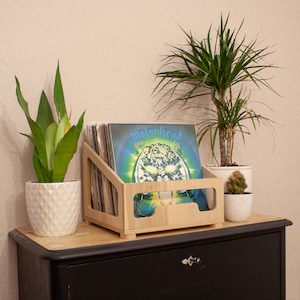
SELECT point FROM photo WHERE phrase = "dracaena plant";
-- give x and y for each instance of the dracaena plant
(216, 68)
(55, 140)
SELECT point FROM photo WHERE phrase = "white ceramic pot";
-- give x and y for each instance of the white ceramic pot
(226, 172)
(53, 208)
(238, 207)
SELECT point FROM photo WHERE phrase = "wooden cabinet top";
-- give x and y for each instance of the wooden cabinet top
(92, 236)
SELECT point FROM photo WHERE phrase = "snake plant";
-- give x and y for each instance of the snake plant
(55, 140)
(214, 68)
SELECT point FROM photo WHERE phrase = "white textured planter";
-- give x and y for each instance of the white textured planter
(53, 208)
(238, 207)
(226, 172)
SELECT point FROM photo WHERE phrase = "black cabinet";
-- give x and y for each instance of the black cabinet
(231, 261)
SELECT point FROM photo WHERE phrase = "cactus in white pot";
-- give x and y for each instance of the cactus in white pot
(237, 202)
(236, 183)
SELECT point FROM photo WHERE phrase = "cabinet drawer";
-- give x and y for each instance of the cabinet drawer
(238, 269)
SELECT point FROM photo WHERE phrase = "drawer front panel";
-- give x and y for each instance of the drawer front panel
(245, 268)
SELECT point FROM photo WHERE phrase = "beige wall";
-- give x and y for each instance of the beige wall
(107, 51)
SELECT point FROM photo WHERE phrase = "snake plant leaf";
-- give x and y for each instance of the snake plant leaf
(37, 134)
(42, 173)
(62, 128)
(31, 138)
(37, 167)
(44, 116)
(59, 98)
(23, 103)
(50, 143)
(65, 150)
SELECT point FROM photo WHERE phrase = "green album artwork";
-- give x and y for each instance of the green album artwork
(157, 152)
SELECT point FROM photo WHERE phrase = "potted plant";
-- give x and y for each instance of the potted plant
(208, 78)
(237, 202)
(53, 205)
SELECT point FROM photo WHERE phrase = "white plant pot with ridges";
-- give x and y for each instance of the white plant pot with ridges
(238, 207)
(53, 208)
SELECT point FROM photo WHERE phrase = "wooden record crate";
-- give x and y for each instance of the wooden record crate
(167, 217)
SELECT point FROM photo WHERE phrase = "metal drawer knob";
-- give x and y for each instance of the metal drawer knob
(191, 260)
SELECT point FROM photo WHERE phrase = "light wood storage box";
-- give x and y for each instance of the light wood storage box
(166, 217)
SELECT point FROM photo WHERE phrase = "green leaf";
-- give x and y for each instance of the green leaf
(43, 175)
(65, 150)
(44, 116)
(23, 103)
(37, 134)
(62, 128)
(59, 98)
(50, 144)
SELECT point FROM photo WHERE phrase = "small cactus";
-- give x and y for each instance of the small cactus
(236, 183)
